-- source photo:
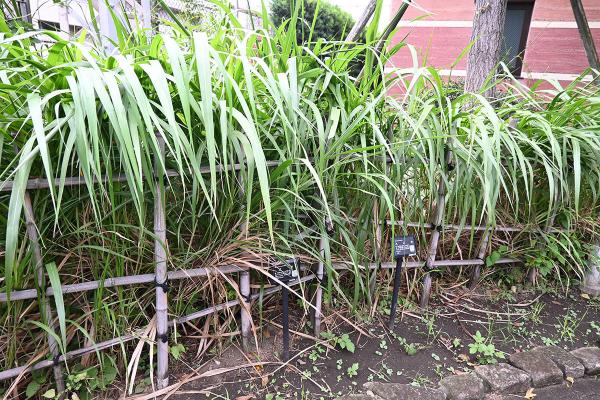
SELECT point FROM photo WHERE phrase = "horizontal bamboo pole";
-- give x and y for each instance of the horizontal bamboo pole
(197, 272)
(11, 373)
(122, 281)
(42, 183)
(456, 227)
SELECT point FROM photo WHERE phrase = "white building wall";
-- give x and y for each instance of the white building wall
(356, 8)
(78, 13)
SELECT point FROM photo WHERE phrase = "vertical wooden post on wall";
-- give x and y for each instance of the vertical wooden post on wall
(481, 252)
(246, 317)
(160, 260)
(436, 230)
(46, 310)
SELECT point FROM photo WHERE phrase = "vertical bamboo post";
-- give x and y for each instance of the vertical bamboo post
(438, 217)
(481, 252)
(246, 317)
(160, 260)
(319, 293)
(46, 310)
(377, 249)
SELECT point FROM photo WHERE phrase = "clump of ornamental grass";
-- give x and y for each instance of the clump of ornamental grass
(268, 138)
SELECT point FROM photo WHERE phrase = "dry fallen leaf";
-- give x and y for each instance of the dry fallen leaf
(530, 394)
(248, 397)
(264, 380)
(570, 381)
(585, 296)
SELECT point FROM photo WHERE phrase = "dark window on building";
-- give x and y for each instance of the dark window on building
(516, 29)
(49, 25)
(74, 29)
(55, 26)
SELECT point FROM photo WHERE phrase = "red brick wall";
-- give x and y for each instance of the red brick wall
(560, 10)
(556, 50)
(550, 49)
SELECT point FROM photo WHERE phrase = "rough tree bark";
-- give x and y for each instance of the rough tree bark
(484, 55)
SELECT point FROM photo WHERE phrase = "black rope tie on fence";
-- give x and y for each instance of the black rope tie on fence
(163, 285)
(321, 280)
(247, 297)
(438, 228)
(56, 360)
(163, 337)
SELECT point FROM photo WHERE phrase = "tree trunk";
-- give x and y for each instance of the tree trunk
(362, 22)
(484, 55)
(586, 34)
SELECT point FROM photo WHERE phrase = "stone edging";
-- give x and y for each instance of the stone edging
(540, 367)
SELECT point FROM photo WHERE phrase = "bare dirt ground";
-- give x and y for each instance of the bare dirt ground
(423, 348)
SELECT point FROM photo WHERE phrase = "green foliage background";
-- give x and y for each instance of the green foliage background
(331, 24)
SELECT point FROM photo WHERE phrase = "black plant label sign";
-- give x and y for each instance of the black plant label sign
(404, 246)
(284, 271)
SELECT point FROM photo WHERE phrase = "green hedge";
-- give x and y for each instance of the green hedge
(332, 22)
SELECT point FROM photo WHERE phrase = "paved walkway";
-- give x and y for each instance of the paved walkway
(542, 367)
(584, 389)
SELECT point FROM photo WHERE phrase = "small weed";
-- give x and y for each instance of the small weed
(596, 327)
(549, 342)
(486, 353)
(432, 331)
(177, 350)
(439, 371)
(420, 380)
(389, 371)
(343, 342)
(536, 311)
(316, 353)
(456, 343)
(352, 370)
(409, 348)
(567, 325)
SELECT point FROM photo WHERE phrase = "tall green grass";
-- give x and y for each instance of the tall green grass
(249, 97)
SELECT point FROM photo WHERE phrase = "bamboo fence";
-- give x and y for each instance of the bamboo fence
(161, 277)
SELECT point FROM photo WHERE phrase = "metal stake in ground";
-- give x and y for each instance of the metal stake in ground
(404, 246)
(285, 322)
(283, 273)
